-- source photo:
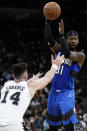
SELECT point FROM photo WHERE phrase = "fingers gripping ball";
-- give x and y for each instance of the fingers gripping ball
(51, 10)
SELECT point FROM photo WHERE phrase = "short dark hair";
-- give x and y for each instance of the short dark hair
(72, 32)
(19, 69)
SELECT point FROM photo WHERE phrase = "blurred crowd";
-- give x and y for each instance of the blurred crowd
(37, 55)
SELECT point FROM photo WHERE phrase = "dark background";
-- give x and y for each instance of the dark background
(23, 20)
(27, 17)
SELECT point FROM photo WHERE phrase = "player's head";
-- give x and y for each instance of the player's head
(20, 71)
(72, 39)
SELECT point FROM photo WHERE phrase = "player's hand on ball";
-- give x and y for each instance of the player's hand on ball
(58, 61)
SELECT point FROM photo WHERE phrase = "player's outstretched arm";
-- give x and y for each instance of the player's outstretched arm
(38, 84)
(50, 74)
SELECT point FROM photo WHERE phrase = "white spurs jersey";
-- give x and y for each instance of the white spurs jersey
(15, 99)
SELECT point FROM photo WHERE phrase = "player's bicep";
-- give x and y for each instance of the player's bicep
(78, 57)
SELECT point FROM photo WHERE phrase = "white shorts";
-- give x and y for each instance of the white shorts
(13, 126)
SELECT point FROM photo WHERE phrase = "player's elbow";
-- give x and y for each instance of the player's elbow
(83, 56)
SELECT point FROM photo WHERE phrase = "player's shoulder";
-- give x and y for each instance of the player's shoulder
(8, 82)
(24, 83)
(81, 52)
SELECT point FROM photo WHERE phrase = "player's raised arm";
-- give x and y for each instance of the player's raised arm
(48, 36)
(53, 44)
(38, 84)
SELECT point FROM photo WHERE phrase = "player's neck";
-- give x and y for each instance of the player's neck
(73, 49)
(19, 80)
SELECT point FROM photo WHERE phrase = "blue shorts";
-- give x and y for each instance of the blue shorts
(59, 103)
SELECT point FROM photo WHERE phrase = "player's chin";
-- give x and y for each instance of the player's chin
(72, 47)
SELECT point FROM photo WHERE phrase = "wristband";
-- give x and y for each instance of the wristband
(55, 66)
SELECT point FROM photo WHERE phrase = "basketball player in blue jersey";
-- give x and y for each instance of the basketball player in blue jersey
(61, 100)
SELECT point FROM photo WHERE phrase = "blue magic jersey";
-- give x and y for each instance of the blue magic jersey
(61, 98)
(62, 79)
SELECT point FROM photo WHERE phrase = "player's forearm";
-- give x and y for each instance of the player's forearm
(55, 48)
(64, 47)
(47, 78)
(50, 74)
(48, 36)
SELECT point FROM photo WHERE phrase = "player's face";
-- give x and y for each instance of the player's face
(72, 41)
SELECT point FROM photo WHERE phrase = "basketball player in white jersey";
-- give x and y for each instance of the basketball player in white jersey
(17, 94)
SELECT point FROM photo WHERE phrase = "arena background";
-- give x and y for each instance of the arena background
(21, 39)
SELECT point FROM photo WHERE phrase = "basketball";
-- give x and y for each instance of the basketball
(51, 10)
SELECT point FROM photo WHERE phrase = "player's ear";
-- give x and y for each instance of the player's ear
(13, 76)
(25, 76)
